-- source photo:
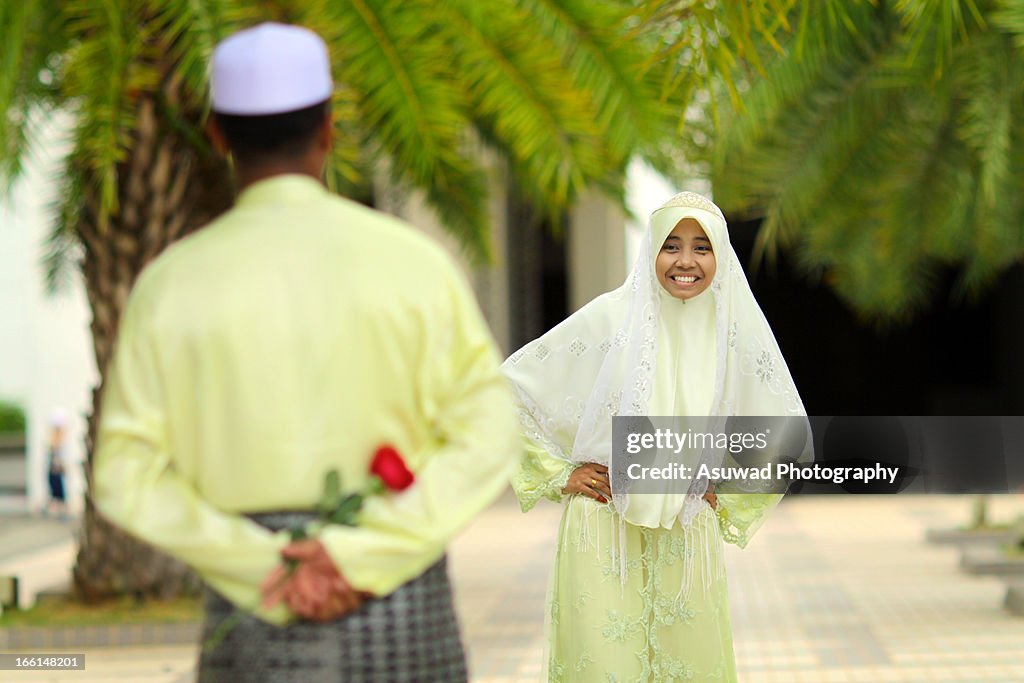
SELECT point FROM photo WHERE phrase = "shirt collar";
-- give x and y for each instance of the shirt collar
(288, 187)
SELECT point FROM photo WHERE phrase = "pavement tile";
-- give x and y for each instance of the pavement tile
(831, 590)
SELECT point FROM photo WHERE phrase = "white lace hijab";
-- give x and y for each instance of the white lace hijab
(602, 361)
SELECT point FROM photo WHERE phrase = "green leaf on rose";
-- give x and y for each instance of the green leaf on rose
(345, 513)
(332, 493)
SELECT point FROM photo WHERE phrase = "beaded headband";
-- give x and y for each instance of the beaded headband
(692, 200)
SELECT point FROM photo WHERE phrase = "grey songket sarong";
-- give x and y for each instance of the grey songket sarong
(409, 636)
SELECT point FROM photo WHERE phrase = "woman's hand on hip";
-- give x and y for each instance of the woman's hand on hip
(590, 480)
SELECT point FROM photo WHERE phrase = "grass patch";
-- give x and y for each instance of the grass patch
(63, 611)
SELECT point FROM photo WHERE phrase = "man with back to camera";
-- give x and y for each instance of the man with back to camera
(298, 333)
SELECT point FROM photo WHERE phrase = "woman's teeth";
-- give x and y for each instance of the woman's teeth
(686, 279)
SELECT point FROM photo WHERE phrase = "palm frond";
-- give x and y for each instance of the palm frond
(29, 76)
(792, 77)
(348, 167)
(608, 63)
(787, 170)
(1009, 17)
(62, 249)
(887, 151)
(526, 103)
(569, 91)
(389, 56)
(941, 24)
(106, 70)
(988, 68)
(189, 30)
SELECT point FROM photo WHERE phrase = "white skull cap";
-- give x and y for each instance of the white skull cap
(270, 69)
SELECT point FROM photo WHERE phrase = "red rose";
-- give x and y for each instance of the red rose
(389, 466)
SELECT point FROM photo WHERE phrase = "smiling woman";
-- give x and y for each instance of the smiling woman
(686, 263)
(639, 589)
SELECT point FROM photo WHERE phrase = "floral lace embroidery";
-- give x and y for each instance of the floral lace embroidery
(536, 426)
(739, 516)
(668, 611)
(765, 367)
(583, 662)
(573, 408)
(610, 569)
(581, 600)
(619, 628)
(669, 668)
(533, 481)
(692, 200)
(640, 628)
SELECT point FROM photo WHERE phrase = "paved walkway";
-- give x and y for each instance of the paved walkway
(839, 589)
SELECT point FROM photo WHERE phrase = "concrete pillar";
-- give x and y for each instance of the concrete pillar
(489, 281)
(597, 248)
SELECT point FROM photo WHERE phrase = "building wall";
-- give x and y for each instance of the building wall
(46, 359)
(597, 249)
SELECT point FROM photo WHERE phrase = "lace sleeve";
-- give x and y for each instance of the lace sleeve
(741, 514)
(540, 475)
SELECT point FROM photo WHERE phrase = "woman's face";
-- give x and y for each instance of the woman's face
(685, 264)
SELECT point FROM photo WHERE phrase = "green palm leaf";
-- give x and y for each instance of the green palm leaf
(417, 114)
(883, 144)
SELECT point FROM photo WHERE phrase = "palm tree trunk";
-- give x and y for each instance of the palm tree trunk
(166, 188)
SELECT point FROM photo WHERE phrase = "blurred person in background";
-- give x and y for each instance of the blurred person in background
(56, 464)
(296, 334)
